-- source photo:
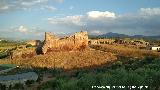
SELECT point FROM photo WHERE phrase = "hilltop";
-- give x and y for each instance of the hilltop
(68, 52)
(117, 35)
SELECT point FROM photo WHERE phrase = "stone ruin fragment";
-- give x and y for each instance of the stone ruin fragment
(78, 41)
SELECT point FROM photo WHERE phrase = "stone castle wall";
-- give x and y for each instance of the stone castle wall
(77, 41)
(101, 41)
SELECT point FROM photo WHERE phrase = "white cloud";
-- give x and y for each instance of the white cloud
(22, 29)
(50, 8)
(9, 5)
(81, 20)
(97, 32)
(68, 20)
(4, 7)
(25, 32)
(33, 2)
(60, 1)
(98, 14)
(146, 21)
(150, 11)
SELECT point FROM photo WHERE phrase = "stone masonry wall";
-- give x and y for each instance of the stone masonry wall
(78, 41)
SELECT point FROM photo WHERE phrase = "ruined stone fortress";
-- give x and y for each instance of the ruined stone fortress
(78, 41)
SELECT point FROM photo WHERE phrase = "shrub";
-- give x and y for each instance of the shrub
(3, 55)
(87, 81)
(46, 85)
(117, 64)
(156, 80)
(28, 46)
(18, 86)
(2, 87)
(68, 85)
(29, 82)
(149, 59)
(133, 79)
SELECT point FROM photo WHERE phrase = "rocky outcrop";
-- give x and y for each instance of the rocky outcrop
(78, 41)
(23, 53)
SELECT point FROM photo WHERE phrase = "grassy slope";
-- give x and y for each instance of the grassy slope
(122, 73)
(6, 46)
(126, 51)
(66, 60)
(127, 71)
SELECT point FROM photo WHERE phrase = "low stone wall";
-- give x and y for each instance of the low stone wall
(101, 41)
(134, 43)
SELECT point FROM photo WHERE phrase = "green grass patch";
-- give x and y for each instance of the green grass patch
(6, 66)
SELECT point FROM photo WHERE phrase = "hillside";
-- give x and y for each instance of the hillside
(113, 35)
(117, 35)
(65, 68)
(66, 60)
(101, 64)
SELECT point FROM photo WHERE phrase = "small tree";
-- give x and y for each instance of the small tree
(29, 82)
(2, 87)
(28, 46)
(18, 86)
(10, 87)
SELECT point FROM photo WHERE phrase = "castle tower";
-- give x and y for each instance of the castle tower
(49, 36)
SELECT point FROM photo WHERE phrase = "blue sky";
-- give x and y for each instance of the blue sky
(29, 19)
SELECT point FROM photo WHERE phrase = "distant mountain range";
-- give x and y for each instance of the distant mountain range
(106, 35)
(117, 35)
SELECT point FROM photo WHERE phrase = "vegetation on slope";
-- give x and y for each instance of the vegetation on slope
(122, 73)
(7, 46)
(128, 71)
(121, 50)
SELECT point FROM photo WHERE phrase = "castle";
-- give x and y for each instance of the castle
(78, 41)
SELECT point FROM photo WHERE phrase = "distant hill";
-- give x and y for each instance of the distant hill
(153, 37)
(117, 35)
(113, 35)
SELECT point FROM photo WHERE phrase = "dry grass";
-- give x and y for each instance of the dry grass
(23, 53)
(126, 51)
(66, 60)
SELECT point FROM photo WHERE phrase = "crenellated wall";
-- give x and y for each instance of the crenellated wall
(78, 41)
